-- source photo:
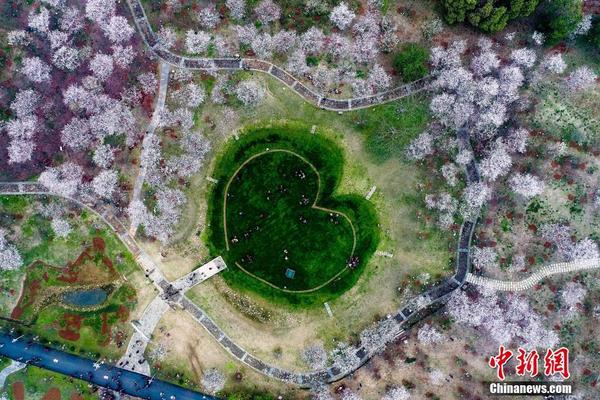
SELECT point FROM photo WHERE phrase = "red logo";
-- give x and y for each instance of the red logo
(555, 362)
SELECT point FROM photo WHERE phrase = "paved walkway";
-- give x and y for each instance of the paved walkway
(252, 64)
(405, 317)
(13, 367)
(535, 278)
(164, 69)
(171, 294)
(134, 359)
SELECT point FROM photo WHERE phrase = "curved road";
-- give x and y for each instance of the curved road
(108, 376)
(412, 312)
(253, 64)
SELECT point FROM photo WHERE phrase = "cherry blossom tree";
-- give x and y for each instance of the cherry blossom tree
(196, 42)
(284, 41)
(10, 258)
(250, 92)
(554, 63)
(35, 69)
(25, 102)
(496, 163)
(237, 8)
(474, 197)
(63, 180)
(190, 95)
(20, 151)
(105, 183)
(523, 57)
(312, 41)
(262, 45)
(266, 12)
(378, 79)
(166, 37)
(209, 17)
(585, 249)
(580, 79)
(420, 147)
(61, 227)
(101, 66)
(526, 185)
(66, 58)
(76, 134)
(104, 156)
(18, 38)
(100, 11)
(485, 258)
(341, 15)
(504, 319)
(118, 30)
(39, 21)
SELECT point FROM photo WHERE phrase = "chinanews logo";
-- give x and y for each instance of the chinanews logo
(555, 366)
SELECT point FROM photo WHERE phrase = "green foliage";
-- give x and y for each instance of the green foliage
(489, 18)
(593, 35)
(558, 18)
(456, 10)
(266, 213)
(389, 128)
(411, 62)
(522, 8)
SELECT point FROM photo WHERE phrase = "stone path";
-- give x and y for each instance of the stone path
(134, 359)
(251, 64)
(13, 367)
(405, 316)
(164, 69)
(535, 278)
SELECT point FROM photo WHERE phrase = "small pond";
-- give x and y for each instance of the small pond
(85, 298)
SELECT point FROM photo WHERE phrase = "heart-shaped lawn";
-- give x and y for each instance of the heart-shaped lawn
(277, 222)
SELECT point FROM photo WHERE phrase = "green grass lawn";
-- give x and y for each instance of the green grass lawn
(282, 212)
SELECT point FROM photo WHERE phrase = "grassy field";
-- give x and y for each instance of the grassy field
(37, 383)
(91, 256)
(282, 212)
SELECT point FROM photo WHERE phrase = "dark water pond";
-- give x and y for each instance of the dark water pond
(85, 298)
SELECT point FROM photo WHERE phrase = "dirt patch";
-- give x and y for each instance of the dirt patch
(18, 391)
(72, 326)
(52, 394)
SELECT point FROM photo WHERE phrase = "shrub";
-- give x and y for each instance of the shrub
(558, 18)
(411, 62)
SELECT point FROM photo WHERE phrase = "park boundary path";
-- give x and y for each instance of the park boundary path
(535, 278)
(252, 64)
(400, 322)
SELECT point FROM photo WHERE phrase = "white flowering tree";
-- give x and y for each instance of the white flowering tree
(64, 179)
(10, 258)
(526, 185)
(61, 227)
(341, 15)
(267, 11)
(250, 92)
(237, 8)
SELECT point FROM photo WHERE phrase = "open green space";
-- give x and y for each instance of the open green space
(91, 257)
(278, 222)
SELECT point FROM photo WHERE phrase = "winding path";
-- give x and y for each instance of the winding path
(405, 317)
(252, 64)
(535, 278)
